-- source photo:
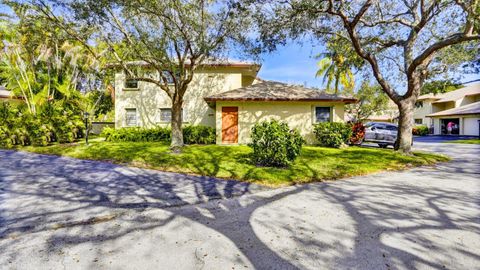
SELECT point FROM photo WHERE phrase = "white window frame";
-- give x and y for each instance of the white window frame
(162, 120)
(315, 120)
(184, 115)
(127, 117)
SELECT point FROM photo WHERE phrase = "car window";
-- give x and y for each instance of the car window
(391, 127)
(380, 126)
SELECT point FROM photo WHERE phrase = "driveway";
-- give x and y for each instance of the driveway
(441, 138)
(64, 213)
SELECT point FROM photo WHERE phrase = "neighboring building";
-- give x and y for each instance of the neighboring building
(228, 97)
(6, 95)
(456, 112)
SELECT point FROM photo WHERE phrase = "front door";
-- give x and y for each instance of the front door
(230, 124)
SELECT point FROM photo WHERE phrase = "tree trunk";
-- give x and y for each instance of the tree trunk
(405, 125)
(177, 134)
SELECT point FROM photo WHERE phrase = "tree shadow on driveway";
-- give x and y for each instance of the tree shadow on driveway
(41, 193)
(423, 218)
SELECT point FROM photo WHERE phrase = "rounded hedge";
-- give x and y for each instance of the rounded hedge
(274, 144)
(333, 134)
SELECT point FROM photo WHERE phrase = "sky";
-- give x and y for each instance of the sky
(294, 64)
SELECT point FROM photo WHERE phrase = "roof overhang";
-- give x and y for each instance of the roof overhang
(345, 100)
(247, 65)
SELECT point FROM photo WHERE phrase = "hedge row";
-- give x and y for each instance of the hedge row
(191, 134)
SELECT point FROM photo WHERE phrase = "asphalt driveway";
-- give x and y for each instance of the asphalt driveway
(65, 213)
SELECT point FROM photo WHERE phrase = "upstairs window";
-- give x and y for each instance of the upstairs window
(322, 114)
(131, 84)
(131, 117)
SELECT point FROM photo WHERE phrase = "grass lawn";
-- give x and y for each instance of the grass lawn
(471, 141)
(233, 162)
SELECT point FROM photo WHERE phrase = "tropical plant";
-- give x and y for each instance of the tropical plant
(336, 66)
(358, 133)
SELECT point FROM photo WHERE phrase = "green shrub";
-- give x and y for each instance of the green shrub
(274, 144)
(52, 123)
(136, 134)
(333, 134)
(191, 134)
(199, 135)
(421, 130)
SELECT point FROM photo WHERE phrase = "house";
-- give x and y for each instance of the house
(227, 96)
(459, 110)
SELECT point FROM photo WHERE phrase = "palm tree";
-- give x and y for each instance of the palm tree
(337, 64)
(334, 70)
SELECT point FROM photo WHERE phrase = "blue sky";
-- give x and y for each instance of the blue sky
(293, 63)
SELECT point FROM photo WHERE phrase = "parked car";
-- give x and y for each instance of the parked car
(384, 134)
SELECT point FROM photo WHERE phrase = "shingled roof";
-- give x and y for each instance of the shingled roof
(277, 91)
(472, 108)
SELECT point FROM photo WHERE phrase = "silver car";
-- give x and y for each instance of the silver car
(384, 134)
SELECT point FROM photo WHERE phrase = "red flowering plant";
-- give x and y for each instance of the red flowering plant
(358, 133)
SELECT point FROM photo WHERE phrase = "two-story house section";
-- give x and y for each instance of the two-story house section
(143, 104)
(230, 98)
(453, 113)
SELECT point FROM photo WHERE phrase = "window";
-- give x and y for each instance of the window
(131, 117)
(322, 114)
(418, 121)
(131, 84)
(391, 127)
(165, 115)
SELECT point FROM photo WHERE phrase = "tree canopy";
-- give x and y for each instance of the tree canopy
(170, 38)
(403, 43)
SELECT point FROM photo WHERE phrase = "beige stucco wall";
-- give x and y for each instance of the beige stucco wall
(470, 126)
(148, 98)
(299, 115)
(423, 111)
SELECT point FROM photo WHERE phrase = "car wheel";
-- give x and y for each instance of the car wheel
(382, 145)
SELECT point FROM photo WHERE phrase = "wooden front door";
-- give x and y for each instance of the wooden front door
(230, 124)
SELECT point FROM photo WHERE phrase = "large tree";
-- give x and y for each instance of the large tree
(401, 41)
(170, 38)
